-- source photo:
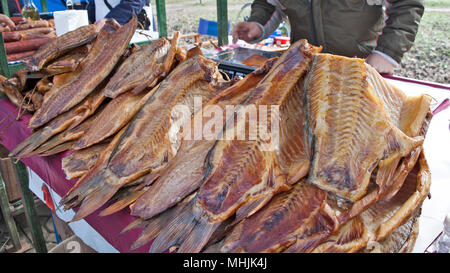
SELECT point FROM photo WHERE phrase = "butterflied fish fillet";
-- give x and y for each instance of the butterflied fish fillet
(68, 62)
(348, 127)
(297, 219)
(185, 172)
(68, 120)
(78, 163)
(143, 67)
(407, 113)
(104, 55)
(381, 219)
(61, 45)
(401, 240)
(149, 140)
(66, 136)
(245, 174)
(113, 117)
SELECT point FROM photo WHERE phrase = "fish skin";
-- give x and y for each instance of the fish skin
(185, 172)
(296, 217)
(117, 113)
(61, 45)
(333, 165)
(149, 131)
(274, 89)
(66, 121)
(68, 135)
(78, 163)
(66, 63)
(240, 182)
(411, 115)
(382, 218)
(144, 65)
(92, 74)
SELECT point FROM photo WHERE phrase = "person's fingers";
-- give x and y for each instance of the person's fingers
(240, 32)
(5, 19)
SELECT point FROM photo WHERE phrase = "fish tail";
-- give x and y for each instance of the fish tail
(48, 145)
(58, 149)
(138, 223)
(198, 237)
(102, 192)
(30, 144)
(176, 231)
(122, 203)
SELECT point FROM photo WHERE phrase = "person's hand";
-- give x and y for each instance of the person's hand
(381, 64)
(247, 31)
(4, 20)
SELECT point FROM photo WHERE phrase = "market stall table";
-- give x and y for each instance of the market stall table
(103, 233)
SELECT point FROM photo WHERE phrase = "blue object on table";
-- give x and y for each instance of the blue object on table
(208, 27)
(54, 5)
(58, 239)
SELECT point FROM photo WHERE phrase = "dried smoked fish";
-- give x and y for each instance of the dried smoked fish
(99, 67)
(144, 68)
(78, 163)
(61, 45)
(148, 141)
(245, 174)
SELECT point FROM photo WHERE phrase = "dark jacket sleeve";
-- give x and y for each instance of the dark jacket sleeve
(124, 11)
(261, 12)
(401, 27)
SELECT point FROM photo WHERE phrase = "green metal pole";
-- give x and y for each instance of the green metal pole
(44, 5)
(222, 21)
(4, 69)
(4, 202)
(5, 7)
(162, 19)
(30, 209)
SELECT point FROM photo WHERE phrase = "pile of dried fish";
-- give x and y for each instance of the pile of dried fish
(346, 174)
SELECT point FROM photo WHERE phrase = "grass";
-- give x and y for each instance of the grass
(427, 60)
(437, 3)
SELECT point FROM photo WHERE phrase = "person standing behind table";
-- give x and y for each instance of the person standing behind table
(345, 27)
(120, 10)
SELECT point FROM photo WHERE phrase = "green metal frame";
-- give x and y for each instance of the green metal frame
(9, 219)
(30, 209)
(222, 21)
(161, 16)
(5, 69)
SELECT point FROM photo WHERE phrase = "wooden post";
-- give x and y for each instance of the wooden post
(222, 21)
(161, 15)
(30, 209)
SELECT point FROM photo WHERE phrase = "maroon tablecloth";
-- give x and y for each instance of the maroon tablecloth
(13, 132)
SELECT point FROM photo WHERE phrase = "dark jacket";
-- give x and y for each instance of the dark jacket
(349, 27)
(122, 12)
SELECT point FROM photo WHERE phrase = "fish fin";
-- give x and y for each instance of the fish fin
(176, 230)
(58, 149)
(31, 143)
(122, 203)
(250, 208)
(95, 200)
(198, 237)
(138, 223)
